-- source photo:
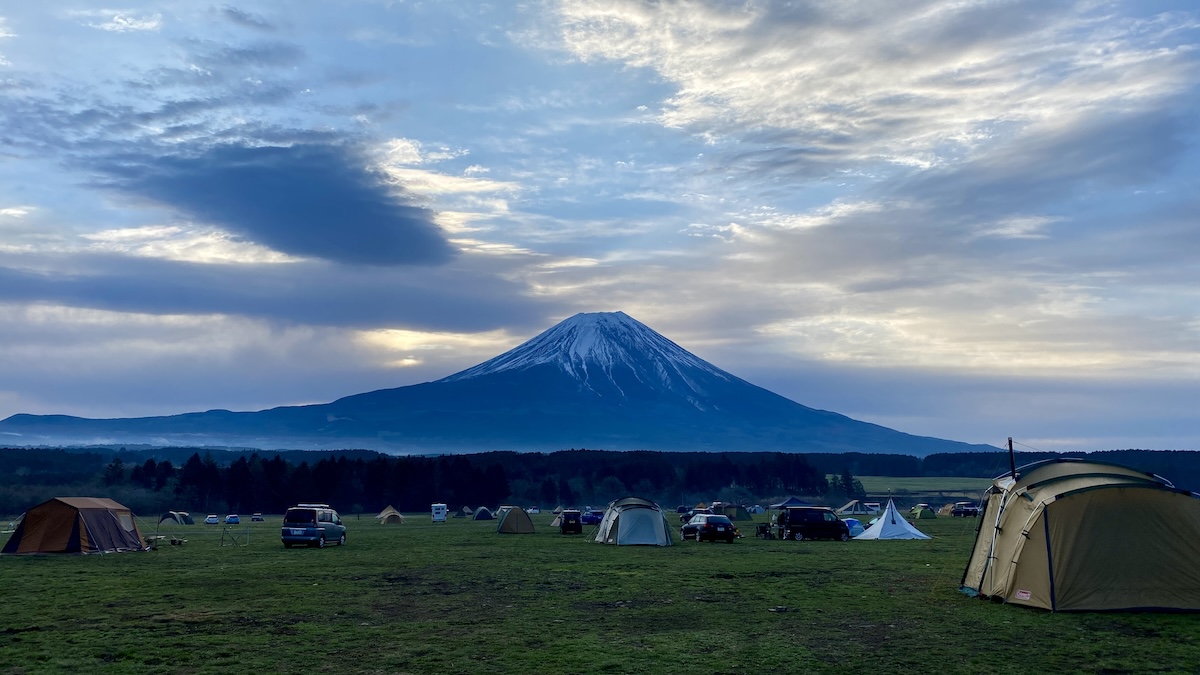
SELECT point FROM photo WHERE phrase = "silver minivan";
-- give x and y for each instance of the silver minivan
(312, 525)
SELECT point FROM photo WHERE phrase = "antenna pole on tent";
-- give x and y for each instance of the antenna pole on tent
(1012, 459)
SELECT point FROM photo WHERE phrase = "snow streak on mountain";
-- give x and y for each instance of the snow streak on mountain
(594, 347)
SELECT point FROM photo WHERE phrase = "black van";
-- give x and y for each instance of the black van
(811, 522)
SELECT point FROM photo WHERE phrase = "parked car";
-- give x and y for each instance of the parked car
(592, 517)
(232, 519)
(687, 516)
(571, 523)
(312, 525)
(811, 522)
(712, 527)
(257, 518)
(212, 519)
(965, 510)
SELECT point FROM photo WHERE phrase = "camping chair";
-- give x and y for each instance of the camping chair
(763, 531)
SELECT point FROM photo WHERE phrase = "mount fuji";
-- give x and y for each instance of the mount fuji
(597, 380)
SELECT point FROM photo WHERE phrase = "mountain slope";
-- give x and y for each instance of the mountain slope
(601, 380)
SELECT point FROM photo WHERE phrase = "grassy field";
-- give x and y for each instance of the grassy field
(912, 489)
(458, 598)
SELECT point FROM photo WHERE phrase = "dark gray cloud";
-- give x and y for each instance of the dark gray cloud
(313, 200)
(246, 19)
(1043, 166)
(436, 299)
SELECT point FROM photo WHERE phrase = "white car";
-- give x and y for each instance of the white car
(212, 519)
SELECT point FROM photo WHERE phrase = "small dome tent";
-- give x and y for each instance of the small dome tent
(76, 525)
(177, 517)
(390, 516)
(1079, 535)
(921, 512)
(514, 520)
(483, 513)
(633, 521)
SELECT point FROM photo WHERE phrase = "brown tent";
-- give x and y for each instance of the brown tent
(76, 525)
(1081, 535)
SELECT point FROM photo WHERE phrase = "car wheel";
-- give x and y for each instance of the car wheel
(845, 536)
(729, 540)
(799, 536)
(321, 542)
(342, 541)
(286, 545)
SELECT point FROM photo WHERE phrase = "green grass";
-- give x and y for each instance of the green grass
(458, 598)
(924, 485)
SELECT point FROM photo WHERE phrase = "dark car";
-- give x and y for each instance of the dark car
(687, 516)
(312, 525)
(709, 526)
(593, 517)
(811, 522)
(965, 510)
(571, 522)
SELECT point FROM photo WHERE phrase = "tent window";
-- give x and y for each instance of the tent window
(126, 522)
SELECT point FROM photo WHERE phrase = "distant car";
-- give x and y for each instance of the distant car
(312, 525)
(965, 510)
(212, 519)
(571, 523)
(257, 518)
(811, 522)
(713, 527)
(232, 519)
(686, 516)
(533, 510)
(592, 517)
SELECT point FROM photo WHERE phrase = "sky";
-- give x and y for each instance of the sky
(963, 219)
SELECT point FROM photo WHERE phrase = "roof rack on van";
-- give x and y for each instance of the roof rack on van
(313, 506)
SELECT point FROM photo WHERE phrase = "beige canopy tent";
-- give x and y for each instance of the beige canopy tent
(514, 520)
(1078, 535)
(855, 507)
(390, 516)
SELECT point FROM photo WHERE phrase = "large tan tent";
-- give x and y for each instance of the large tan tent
(76, 525)
(390, 516)
(1077, 535)
(514, 520)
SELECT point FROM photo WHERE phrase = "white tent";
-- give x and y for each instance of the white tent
(892, 525)
(632, 521)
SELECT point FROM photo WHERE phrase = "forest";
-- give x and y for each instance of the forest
(151, 480)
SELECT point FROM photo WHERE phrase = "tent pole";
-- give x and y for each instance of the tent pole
(1012, 460)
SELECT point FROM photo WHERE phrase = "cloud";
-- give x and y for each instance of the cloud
(453, 298)
(246, 19)
(312, 200)
(909, 84)
(118, 21)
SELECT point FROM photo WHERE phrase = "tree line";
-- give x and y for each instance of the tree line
(151, 480)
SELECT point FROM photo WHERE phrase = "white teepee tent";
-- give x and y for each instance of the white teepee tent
(892, 525)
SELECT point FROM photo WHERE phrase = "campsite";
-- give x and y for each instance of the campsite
(456, 596)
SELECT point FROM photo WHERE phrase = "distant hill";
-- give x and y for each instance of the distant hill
(599, 380)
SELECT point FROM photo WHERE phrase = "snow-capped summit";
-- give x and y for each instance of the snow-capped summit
(601, 350)
(599, 380)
